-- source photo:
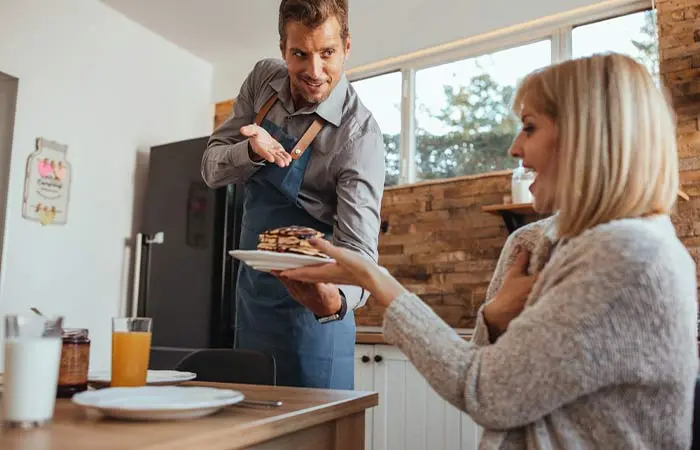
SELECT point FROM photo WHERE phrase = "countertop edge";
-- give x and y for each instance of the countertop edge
(377, 338)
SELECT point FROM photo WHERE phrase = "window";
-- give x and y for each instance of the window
(459, 112)
(632, 34)
(382, 96)
(464, 124)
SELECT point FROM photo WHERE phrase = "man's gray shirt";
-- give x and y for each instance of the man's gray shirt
(344, 180)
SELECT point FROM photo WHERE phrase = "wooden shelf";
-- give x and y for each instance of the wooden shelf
(516, 208)
(513, 214)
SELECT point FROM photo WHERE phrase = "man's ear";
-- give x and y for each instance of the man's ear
(348, 45)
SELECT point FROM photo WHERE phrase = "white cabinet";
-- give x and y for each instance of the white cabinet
(410, 415)
(364, 381)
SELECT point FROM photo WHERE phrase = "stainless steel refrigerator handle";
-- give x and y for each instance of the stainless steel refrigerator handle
(157, 238)
(138, 245)
(141, 239)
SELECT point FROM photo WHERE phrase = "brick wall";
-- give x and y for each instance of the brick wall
(441, 245)
(679, 49)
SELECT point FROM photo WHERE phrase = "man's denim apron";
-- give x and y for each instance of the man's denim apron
(307, 353)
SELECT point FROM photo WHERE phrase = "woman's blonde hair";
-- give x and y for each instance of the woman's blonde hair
(617, 154)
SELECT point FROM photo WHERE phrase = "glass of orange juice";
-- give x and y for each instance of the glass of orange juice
(131, 348)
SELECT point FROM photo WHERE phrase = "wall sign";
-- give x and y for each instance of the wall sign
(47, 184)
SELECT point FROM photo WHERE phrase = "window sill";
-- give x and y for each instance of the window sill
(424, 183)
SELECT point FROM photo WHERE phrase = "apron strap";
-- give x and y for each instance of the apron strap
(308, 137)
(265, 109)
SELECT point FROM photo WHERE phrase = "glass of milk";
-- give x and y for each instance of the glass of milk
(521, 180)
(32, 359)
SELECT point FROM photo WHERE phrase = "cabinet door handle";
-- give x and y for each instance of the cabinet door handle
(365, 358)
(378, 358)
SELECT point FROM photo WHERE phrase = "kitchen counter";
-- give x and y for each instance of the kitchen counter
(309, 418)
(377, 338)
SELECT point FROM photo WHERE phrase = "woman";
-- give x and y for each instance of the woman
(597, 349)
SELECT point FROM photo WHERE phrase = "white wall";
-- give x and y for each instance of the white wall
(106, 87)
(390, 28)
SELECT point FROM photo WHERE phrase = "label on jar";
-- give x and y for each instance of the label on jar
(75, 360)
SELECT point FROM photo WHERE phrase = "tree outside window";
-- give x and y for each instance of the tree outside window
(464, 122)
(632, 34)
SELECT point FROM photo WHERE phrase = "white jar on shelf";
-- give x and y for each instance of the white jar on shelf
(520, 184)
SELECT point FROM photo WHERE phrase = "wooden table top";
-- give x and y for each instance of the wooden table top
(234, 427)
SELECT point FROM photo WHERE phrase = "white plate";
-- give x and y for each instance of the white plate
(266, 261)
(154, 377)
(157, 402)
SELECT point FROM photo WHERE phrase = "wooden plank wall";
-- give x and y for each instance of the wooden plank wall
(221, 111)
(440, 244)
(679, 61)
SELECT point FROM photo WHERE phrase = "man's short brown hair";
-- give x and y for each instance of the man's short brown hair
(312, 13)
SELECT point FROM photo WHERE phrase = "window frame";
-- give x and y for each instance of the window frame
(556, 28)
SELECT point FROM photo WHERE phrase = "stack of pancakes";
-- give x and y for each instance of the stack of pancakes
(292, 239)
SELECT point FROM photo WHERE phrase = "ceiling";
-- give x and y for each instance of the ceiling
(219, 31)
(211, 29)
(233, 34)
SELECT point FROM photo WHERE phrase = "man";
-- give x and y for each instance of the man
(308, 153)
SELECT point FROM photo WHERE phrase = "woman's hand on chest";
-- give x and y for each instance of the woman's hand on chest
(510, 300)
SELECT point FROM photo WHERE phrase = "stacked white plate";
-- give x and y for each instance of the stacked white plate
(100, 378)
(157, 402)
(266, 261)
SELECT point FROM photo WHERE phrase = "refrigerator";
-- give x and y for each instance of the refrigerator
(183, 277)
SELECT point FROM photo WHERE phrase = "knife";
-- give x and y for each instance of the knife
(263, 403)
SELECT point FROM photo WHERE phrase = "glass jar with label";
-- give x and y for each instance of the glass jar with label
(75, 361)
(520, 184)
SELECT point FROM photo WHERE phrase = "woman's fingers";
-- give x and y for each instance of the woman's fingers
(522, 261)
(347, 269)
(329, 249)
(352, 261)
(325, 273)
